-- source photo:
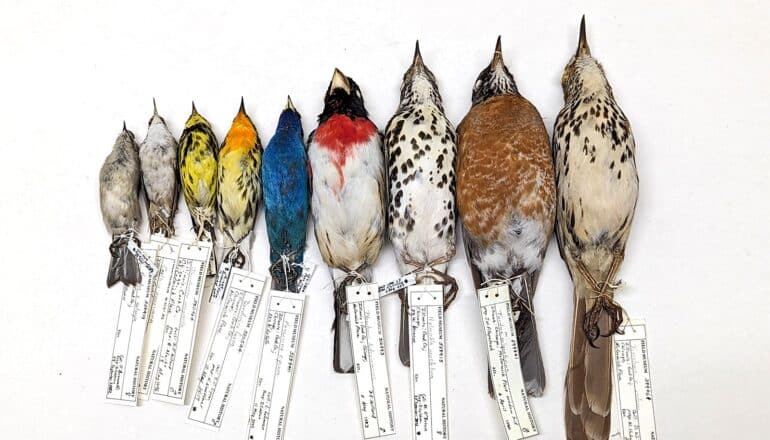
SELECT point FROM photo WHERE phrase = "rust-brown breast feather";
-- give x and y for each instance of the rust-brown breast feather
(504, 162)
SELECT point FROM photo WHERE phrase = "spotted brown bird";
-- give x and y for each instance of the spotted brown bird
(506, 198)
(597, 187)
(420, 142)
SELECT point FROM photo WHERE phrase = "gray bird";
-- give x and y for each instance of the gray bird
(158, 158)
(119, 199)
(597, 188)
(421, 150)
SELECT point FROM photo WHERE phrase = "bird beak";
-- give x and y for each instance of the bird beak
(124, 126)
(289, 104)
(339, 81)
(154, 108)
(242, 108)
(497, 58)
(583, 48)
(417, 61)
(194, 111)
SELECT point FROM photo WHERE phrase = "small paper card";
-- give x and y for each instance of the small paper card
(272, 390)
(304, 279)
(228, 340)
(178, 341)
(220, 281)
(375, 402)
(394, 286)
(633, 385)
(168, 251)
(503, 354)
(133, 312)
(427, 351)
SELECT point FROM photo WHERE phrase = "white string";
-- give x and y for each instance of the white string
(509, 283)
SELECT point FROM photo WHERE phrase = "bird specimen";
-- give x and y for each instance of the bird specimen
(158, 159)
(346, 158)
(198, 173)
(597, 189)
(239, 190)
(286, 186)
(119, 200)
(421, 150)
(506, 200)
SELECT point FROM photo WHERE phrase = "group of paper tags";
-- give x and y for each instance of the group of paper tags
(155, 337)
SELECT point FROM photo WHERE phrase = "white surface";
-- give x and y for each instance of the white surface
(693, 80)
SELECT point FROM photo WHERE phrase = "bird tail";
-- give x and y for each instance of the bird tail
(403, 338)
(589, 381)
(526, 330)
(123, 267)
(343, 347)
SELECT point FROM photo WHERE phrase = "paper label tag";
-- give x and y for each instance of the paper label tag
(304, 279)
(270, 403)
(375, 401)
(141, 257)
(394, 286)
(228, 340)
(168, 251)
(125, 367)
(427, 351)
(178, 341)
(220, 281)
(633, 384)
(503, 355)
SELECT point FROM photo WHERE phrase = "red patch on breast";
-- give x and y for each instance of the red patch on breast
(339, 134)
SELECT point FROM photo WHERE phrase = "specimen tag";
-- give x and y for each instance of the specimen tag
(178, 340)
(220, 281)
(394, 286)
(304, 279)
(375, 402)
(503, 355)
(633, 385)
(168, 251)
(228, 340)
(141, 257)
(427, 351)
(134, 309)
(270, 403)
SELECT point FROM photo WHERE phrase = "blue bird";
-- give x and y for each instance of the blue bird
(286, 191)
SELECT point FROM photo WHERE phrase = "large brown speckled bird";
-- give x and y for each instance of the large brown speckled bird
(506, 198)
(597, 186)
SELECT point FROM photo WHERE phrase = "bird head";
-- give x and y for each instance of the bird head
(290, 120)
(582, 72)
(343, 97)
(495, 79)
(419, 83)
(242, 131)
(125, 140)
(196, 118)
(155, 118)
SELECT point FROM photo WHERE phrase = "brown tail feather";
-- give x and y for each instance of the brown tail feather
(589, 382)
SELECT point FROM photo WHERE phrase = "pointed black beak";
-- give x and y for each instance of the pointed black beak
(194, 110)
(339, 81)
(583, 48)
(289, 104)
(417, 60)
(154, 108)
(242, 108)
(497, 58)
(124, 126)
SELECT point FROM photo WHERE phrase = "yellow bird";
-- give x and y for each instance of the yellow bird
(198, 172)
(240, 188)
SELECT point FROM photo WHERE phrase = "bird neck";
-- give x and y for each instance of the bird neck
(586, 79)
(340, 132)
(420, 90)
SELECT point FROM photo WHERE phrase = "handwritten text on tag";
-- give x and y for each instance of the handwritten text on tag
(398, 284)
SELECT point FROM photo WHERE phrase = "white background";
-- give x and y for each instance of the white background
(693, 80)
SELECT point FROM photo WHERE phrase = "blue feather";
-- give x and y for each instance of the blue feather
(286, 191)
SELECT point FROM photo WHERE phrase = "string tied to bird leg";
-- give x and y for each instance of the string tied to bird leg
(350, 276)
(158, 218)
(233, 254)
(199, 214)
(121, 240)
(519, 301)
(427, 269)
(285, 265)
(604, 303)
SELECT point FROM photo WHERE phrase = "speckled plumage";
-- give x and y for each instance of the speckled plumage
(421, 152)
(506, 199)
(198, 149)
(286, 184)
(158, 158)
(119, 203)
(239, 189)
(348, 174)
(597, 186)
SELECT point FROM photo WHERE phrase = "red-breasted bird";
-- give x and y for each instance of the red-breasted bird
(158, 158)
(348, 199)
(119, 200)
(597, 187)
(420, 142)
(506, 198)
